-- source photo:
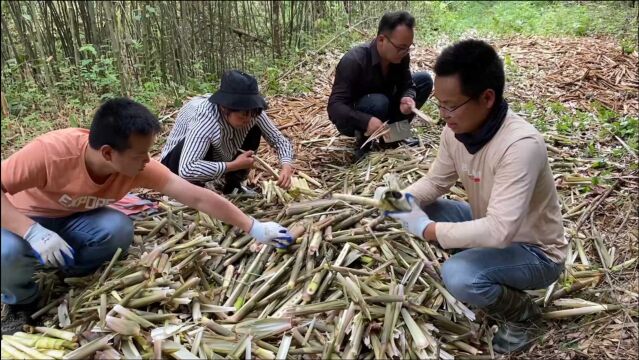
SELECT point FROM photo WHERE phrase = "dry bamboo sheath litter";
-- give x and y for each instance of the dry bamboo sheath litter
(354, 285)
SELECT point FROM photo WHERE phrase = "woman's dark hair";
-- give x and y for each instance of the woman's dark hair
(252, 112)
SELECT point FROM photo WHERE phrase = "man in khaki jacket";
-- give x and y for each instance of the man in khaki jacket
(510, 231)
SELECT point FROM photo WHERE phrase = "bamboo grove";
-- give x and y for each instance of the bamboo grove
(50, 42)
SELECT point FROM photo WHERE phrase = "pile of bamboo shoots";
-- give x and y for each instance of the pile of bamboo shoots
(354, 284)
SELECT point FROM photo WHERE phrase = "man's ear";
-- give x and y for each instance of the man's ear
(488, 98)
(107, 152)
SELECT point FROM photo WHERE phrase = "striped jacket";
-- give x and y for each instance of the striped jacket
(201, 125)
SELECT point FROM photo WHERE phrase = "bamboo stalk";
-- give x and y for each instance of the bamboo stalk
(105, 274)
(41, 341)
(354, 199)
(317, 308)
(128, 314)
(565, 291)
(47, 308)
(90, 348)
(285, 345)
(261, 256)
(561, 314)
(29, 352)
(7, 348)
(60, 334)
(423, 116)
(298, 263)
(419, 339)
(248, 306)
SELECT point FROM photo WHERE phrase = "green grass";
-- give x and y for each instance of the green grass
(589, 129)
(543, 18)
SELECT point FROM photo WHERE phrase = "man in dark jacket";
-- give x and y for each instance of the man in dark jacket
(373, 82)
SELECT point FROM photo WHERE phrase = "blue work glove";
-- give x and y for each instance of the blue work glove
(415, 221)
(49, 247)
(271, 233)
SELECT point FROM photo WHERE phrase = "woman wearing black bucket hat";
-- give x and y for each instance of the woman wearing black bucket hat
(218, 134)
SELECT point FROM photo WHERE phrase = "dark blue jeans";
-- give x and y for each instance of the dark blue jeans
(94, 236)
(383, 108)
(474, 275)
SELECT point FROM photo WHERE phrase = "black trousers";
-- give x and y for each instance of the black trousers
(231, 179)
(385, 108)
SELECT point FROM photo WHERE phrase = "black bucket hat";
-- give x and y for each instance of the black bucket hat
(238, 91)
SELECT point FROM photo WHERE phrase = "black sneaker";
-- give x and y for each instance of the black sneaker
(17, 316)
(233, 181)
(230, 186)
(389, 145)
(239, 189)
(411, 142)
(246, 190)
(361, 152)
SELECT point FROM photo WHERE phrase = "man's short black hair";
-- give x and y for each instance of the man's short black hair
(392, 20)
(117, 119)
(477, 65)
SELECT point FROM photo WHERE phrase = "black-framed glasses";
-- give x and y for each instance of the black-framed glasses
(401, 50)
(449, 110)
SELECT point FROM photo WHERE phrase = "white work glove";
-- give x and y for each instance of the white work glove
(48, 246)
(379, 192)
(271, 233)
(415, 221)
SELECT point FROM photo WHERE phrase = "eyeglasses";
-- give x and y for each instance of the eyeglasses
(448, 110)
(401, 50)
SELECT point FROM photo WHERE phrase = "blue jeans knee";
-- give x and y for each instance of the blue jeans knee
(18, 267)
(95, 236)
(423, 86)
(374, 104)
(459, 277)
(446, 210)
(118, 228)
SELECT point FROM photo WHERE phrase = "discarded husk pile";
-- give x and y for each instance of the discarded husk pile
(354, 285)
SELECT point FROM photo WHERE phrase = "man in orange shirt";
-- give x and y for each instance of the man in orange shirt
(54, 196)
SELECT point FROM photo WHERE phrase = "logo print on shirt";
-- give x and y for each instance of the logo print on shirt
(473, 176)
(86, 201)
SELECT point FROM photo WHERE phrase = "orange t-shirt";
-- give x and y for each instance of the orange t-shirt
(49, 177)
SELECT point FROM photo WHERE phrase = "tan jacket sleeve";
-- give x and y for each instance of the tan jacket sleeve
(515, 181)
(441, 175)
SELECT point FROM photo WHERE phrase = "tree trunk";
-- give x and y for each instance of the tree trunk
(91, 20)
(10, 38)
(39, 41)
(63, 33)
(16, 12)
(74, 36)
(6, 111)
(275, 28)
(147, 43)
(74, 25)
(76, 51)
(112, 27)
(48, 32)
